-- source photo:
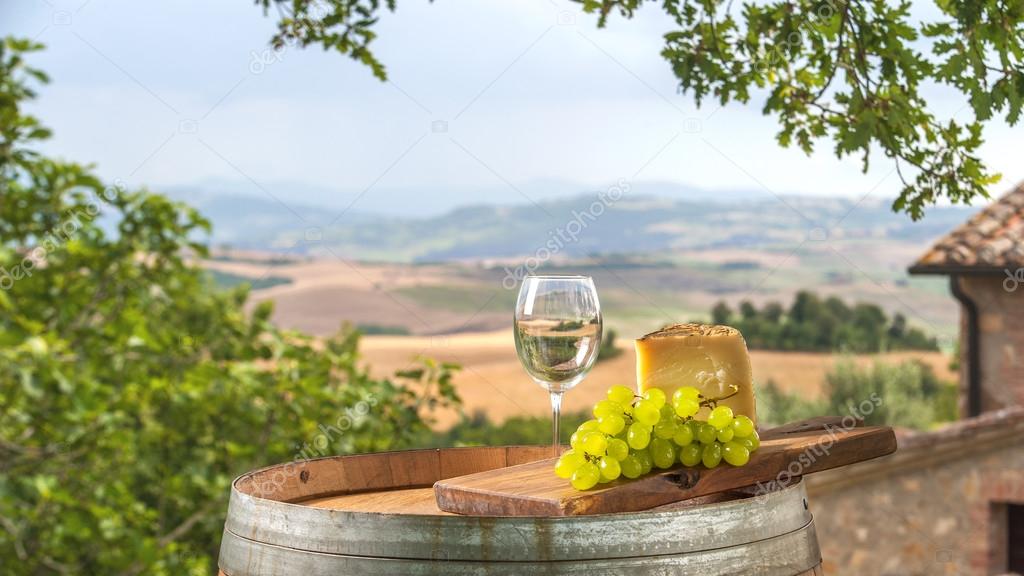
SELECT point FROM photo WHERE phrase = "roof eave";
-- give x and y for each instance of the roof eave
(952, 269)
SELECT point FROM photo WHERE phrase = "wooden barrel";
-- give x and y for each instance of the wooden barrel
(374, 514)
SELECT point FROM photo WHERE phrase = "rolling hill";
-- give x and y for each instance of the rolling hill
(579, 226)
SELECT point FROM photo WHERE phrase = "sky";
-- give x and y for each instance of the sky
(488, 102)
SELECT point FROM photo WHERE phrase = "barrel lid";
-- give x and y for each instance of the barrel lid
(296, 506)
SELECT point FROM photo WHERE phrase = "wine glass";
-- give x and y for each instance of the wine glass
(558, 334)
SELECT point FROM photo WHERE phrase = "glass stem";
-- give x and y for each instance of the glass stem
(556, 413)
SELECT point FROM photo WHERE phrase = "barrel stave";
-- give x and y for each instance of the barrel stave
(274, 532)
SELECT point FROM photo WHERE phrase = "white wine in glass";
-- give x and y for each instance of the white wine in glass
(558, 334)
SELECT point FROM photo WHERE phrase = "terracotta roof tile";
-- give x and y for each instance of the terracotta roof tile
(991, 241)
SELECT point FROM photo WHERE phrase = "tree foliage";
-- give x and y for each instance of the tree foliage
(608, 348)
(479, 430)
(846, 71)
(345, 26)
(907, 394)
(132, 391)
(815, 325)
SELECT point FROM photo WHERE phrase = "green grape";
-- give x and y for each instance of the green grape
(686, 392)
(655, 395)
(690, 454)
(595, 443)
(611, 424)
(711, 456)
(620, 394)
(685, 407)
(631, 467)
(735, 454)
(606, 407)
(618, 449)
(646, 413)
(725, 434)
(694, 426)
(586, 476)
(610, 468)
(646, 462)
(568, 463)
(666, 429)
(745, 442)
(639, 436)
(588, 426)
(720, 417)
(667, 413)
(663, 453)
(742, 426)
(575, 440)
(706, 434)
(683, 435)
(756, 439)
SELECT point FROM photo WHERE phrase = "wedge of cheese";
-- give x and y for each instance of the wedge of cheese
(709, 358)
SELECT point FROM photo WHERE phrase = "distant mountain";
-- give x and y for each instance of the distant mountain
(265, 220)
(578, 226)
(430, 201)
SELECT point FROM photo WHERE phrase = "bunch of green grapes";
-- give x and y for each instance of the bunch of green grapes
(630, 435)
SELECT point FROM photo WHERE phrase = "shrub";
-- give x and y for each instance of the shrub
(813, 324)
(133, 390)
(908, 394)
(479, 430)
(608, 348)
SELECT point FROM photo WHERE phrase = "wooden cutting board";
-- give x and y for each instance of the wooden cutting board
(786, 453)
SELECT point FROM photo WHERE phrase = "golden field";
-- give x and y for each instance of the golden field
(461, 312)
(492, 380)
(472, 297)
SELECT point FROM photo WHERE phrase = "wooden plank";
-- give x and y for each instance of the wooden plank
(785, 454)
(812, 424)
(515, 455)
(407, 501)
(421, 501)
(458, 463)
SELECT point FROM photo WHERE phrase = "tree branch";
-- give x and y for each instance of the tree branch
(838, 53)
(182, 529)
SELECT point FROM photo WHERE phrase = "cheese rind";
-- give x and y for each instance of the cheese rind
(710, 358)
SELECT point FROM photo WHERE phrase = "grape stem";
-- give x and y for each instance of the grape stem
(713, 402)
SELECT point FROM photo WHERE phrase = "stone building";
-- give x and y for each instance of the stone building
(949, 501)
(984, 259)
